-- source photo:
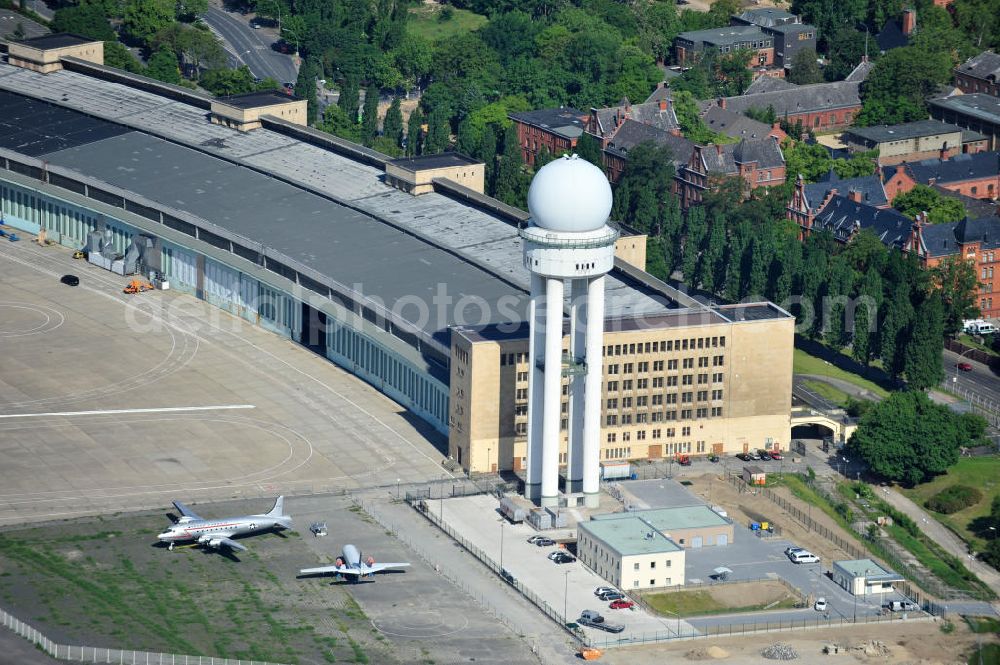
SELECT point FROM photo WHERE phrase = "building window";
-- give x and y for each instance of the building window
(635, 566)
(685, 431)
(652, 564)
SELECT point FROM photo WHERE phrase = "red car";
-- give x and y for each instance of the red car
(965, 367)
(621, 604)
(775, 455)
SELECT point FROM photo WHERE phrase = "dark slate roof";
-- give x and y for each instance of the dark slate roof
(564, 121)
(646, 113)
(968, 136)
(734, 124)
(985, 66)
(632, 133)
(973, 207)
(860, 73)
(870, 187)
(250, 100)
(58, 40)
(768, 84)
(891, 36)
(442, 160)
(906, 130)
(843, 218)
(943, 239)
(730, 34)
(764, 151)
(801, 99)
(767, 17)
(661, 91)
(958, 168)
(977, 105)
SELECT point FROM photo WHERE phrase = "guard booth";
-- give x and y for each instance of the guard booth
(754, 475)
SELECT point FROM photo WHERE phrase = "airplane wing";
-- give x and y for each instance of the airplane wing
(378, 567)
(339, 570)
(186, 512)
(232, 544)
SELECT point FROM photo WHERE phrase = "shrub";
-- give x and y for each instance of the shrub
(953, 499)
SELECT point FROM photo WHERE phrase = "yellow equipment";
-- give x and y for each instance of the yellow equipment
(78, 254)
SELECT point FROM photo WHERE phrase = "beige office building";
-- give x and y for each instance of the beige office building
(630, 553)
(696, 381)
(691, 527)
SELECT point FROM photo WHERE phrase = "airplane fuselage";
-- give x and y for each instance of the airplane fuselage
(199, 530)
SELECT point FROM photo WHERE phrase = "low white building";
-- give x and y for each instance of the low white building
(863, 577)
(630, 553)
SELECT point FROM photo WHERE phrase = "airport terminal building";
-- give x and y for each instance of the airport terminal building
(399, 271)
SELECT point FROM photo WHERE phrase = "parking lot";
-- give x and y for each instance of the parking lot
(111, 401)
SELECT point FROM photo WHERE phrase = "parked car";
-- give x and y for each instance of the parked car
(612, 595)
(621, 604)
(791, 550)
(713, 458)
(70, 280)
(965, 367)
(777, 455)
(545, 542)
(902, 606)
(562, 557)
(281, 46)
(803, 556)
(820, 605)
(604, 589)
(764, 455)
(743, 456)
(504, 573)
(684, 460)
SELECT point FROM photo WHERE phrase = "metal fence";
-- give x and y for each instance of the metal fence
(85, 654)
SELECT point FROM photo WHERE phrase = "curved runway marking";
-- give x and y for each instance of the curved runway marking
(38, 309)
(428, 630)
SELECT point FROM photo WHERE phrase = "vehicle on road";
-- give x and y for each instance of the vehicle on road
(791, 550)
(777, 455)
(561, 557)
(764, 455)
(820, 605)
(612, 595)
(902, 606)
(534, 539)
(78, 254)
(621, 604)
(965, 367)
(604, 589)
(70, 280)
(595, 620)
(504, 573)
(281, 46)
(545, 542)
(803, 556)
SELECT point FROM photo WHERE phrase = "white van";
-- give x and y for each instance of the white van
(803, 556)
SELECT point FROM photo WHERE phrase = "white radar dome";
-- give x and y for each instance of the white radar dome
(569, 195)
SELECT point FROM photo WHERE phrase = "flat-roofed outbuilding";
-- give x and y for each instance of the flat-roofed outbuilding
(689, 526)
(863, 577)
(630, 553)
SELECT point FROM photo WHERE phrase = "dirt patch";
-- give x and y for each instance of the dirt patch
(707, 653)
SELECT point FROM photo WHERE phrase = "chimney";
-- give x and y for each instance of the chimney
(854, 195)
(721, 102)
(909, 21)
(718, 149)
(663, 104)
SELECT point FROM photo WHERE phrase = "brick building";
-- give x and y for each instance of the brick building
(758, 162)
(630, 134)
(976, 240)
(738, 126)
(555, 130)
(980, 74)
(820, 106)
(773, 35)
(789, 34)
(844, 213)
(976, 176)
(977, 111)
(914, 141)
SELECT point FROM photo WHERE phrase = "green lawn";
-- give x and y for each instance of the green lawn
(988, 654)
(424, 21)
(983, 624)
(695, 603)
(828, 392)
(979, 472)
(969, 340)
(803, 363)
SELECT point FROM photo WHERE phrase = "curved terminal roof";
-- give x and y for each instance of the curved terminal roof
(321, 209)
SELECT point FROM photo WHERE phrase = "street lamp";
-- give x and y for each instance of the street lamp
(566, 598)
(441, 500)
(501, 543)
(397, 488)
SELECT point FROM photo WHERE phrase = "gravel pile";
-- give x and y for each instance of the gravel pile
(779, 652)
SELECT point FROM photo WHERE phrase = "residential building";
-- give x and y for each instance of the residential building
(630, 553)
(604, 123)
(758, 162)
(691, 527)
(554, 130)
(980, 74)
(738, 126)
(978, 112)
(976, 175)
(975, 240)
(867, 189)
(768, 84)
(672, 385)
(789, 33)
(821, 106)
(914, 141)
(863, 577)
(631, 133)
(897, 31)
(843, 213)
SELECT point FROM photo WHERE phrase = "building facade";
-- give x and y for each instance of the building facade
(553, 130)
(821, 106)
(695, 381)
(630, 553)
(758, 162)
(976, 176)
(980, 74)
(862, 577)
(978, 112)
(914, 141)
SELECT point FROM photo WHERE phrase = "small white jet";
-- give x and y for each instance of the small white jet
(219, 533)
(350, 564)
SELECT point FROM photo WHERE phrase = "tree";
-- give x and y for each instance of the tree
(927, 199)
(190, 10)
(908, 438)
(866, 317)
(805, 70)
(959, 285)
(439, 131)
(695, 229)
(511, 181)
(163, 66)
(145, 18)
(691, 124)
(119, 57)
(305, 87)
(369, 116)
(899, 84)
(228, 81)
(845, 51)
(191, 44)
(414, 133)
(87, 20)
(392, 125)
(338, 123)
(349, 96)
(589, 148)
(922, 357)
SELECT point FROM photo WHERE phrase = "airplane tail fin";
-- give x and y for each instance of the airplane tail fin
(279, 508)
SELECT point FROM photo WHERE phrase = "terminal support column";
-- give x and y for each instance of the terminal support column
(594, 324)
(577, 350)
(536, 354)
(553, 391)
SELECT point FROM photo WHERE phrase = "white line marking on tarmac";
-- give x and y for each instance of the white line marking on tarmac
(167, 409)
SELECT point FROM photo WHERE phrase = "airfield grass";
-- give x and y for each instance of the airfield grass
(105, 584)
(803, 363)
(424, 20)
(730, 598)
